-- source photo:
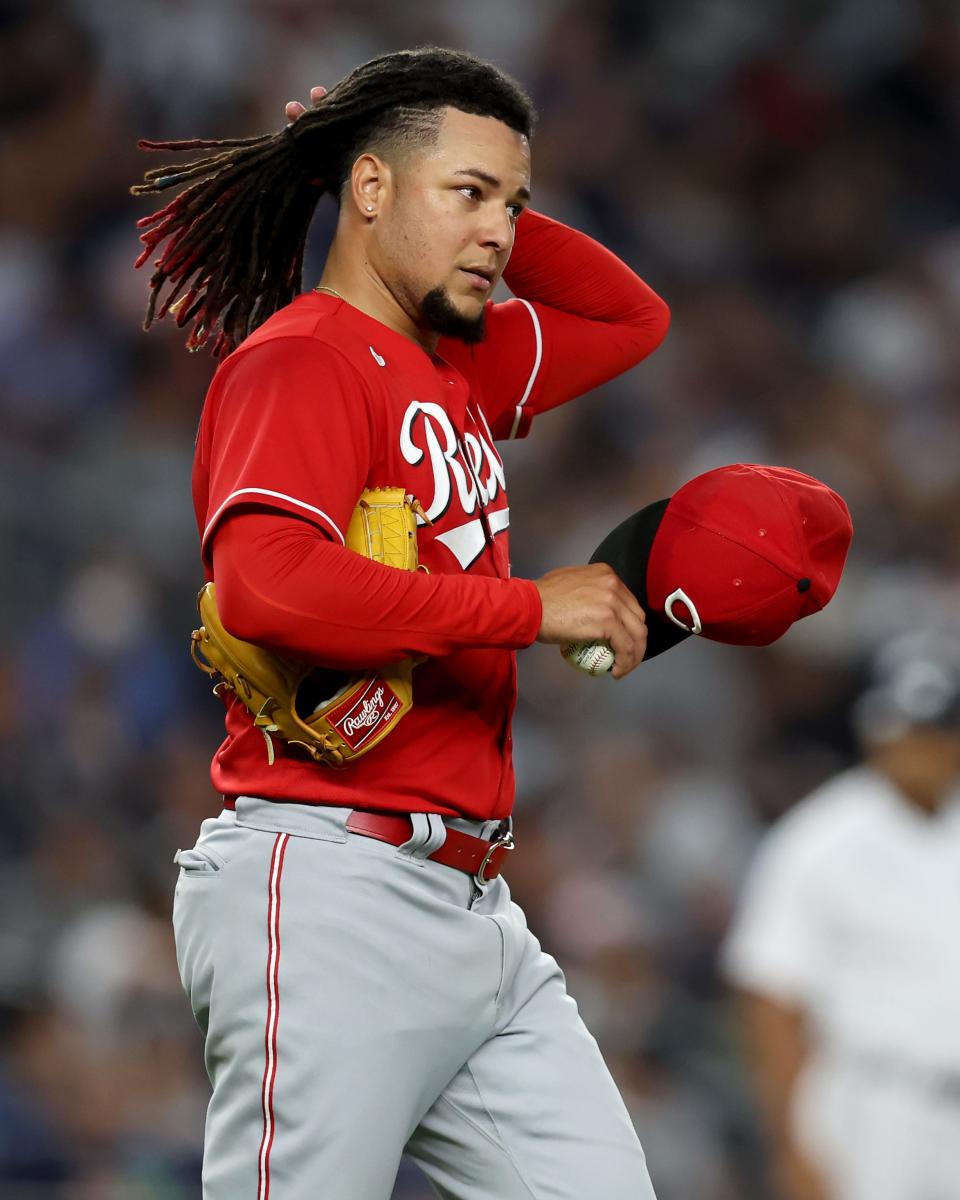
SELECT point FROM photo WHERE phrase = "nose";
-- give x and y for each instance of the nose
(497, 230)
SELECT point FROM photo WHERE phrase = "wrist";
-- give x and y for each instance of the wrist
(534, 602)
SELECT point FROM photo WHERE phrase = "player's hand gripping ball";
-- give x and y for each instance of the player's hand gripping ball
(595, 658)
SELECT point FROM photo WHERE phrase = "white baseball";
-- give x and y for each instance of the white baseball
(596, 658)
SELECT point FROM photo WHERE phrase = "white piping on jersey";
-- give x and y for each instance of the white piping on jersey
(253, 491)
(536, 365)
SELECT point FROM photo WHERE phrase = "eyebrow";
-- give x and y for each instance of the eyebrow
(491, 180)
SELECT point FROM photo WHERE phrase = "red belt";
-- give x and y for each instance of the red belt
(478, 857)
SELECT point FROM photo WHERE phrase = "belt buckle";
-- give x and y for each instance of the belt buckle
(507, 843)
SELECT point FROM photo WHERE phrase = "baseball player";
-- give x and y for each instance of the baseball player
(846, 950)
(362, 980)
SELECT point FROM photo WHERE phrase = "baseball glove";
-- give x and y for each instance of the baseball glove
(333, 715)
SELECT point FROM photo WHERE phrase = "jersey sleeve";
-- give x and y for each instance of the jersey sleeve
(779, 942)
(579, 318)
(287, 426)
(280, 583)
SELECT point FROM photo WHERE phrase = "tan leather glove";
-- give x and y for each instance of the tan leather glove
(333, 715)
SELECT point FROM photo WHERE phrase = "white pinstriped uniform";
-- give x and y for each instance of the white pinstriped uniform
(852, 914)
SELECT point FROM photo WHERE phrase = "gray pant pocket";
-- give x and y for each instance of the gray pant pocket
(198, 861)
(219, 842)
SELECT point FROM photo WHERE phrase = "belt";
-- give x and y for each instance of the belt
(476, 856)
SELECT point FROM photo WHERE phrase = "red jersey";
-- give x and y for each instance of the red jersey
(323, 401)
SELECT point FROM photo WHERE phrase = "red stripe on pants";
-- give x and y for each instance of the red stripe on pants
(273, 1014)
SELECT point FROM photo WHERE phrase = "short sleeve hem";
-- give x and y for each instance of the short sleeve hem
(267, 498)
(766, 973)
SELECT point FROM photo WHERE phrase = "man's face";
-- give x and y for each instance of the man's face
(453, 213)
(925, 760)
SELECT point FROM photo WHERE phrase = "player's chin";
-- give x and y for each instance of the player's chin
(469, 307)
(451, 314)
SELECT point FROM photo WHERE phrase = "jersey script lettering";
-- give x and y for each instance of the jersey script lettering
(478, 480)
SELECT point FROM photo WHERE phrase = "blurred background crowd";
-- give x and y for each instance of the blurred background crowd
(787, 176)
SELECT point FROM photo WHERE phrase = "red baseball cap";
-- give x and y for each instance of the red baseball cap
(736, 555)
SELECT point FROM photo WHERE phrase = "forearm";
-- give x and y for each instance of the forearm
(281, 583)
(567, 270)
(777, 1049)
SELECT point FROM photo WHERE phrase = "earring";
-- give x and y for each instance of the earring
(369, 208)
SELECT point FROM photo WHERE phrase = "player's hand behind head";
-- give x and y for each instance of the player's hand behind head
(294, 109)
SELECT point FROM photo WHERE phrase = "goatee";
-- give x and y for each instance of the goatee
(439, 313)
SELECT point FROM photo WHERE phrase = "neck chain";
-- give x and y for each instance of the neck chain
(321, 287)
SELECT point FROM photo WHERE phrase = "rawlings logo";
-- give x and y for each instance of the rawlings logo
(369, 714)
(359, 717)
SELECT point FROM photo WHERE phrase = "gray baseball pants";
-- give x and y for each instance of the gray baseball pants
(358, 1001)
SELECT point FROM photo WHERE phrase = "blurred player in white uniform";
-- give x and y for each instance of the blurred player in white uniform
(846, 949)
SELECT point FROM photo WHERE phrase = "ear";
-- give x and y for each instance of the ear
(371, 183)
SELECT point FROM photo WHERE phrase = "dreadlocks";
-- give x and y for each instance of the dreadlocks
(236, 235)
